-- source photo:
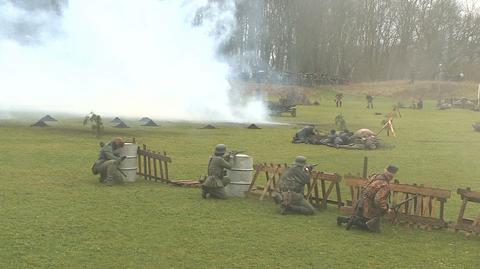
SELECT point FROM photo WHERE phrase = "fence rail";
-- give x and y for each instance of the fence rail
(153, 165)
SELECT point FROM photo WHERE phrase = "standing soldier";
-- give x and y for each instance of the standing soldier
(338, 99)
(291, 186)
(369, 101)
(372, 204)
(214, 185)
(108, 161)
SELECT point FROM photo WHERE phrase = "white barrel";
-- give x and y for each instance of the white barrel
(240, 175)
(129, 165)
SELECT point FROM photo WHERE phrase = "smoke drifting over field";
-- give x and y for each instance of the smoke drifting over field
(121, 57)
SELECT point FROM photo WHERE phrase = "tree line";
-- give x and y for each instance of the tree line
(357, 40)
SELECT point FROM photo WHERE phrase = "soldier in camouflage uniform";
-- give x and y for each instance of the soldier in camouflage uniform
(291, 187)
(372, 204)
(214, 185)
(108, 162)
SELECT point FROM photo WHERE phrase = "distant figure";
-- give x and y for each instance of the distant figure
(338, 99)
(108, 162)
(332, 136)
(373, 202)
(420, 104)
(369, 101)
(214, 185)
(291, 186)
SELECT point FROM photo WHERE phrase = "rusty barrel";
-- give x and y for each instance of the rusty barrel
(129, 165)
(240, 175)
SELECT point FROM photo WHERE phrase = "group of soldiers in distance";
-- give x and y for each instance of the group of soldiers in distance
(371, 206)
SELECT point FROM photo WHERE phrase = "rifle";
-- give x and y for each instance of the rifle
(234, 153)
(310, 167)
(396, 207)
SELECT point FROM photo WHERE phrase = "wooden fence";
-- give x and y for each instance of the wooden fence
(272, 173)
(427, 208)
(317, 191)
(321, 179)
(469, 225)
(153, 165)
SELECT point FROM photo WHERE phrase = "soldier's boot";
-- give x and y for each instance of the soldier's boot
(301, 210)
(350, 221)
(341, 220)
(277, 198)
(204, 192)
(108, 181)
(283, 209)
(373, 225)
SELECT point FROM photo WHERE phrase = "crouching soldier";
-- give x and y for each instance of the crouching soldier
(108, 162)
(214, 185)
(291, 186)
(372, 204)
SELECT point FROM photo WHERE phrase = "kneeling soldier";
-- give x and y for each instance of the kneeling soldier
(291, 186)
(372, 204)
(214, 185)
(108, 162)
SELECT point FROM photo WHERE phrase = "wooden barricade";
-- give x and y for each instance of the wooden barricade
(272, 174)
(468, 225)
(321, 178)
(153, 165)
(427, 208)
(318, 182)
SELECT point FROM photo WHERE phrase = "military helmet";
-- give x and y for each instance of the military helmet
(220, 149)
(392, 169)
(119, 141)
(300, 161)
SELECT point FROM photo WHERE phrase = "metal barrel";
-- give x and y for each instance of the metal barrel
(240, 175)
(129, 165)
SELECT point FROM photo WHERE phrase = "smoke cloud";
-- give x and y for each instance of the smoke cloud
(121, 57)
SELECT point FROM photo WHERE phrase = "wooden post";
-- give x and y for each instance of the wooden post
(155, 168)
(139, 166)
(145, 161)
(149, 167)
(166, 166)
(365, 167)
(339, 196)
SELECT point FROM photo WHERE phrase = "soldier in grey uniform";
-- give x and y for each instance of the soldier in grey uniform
(214, 185)
(108, 162)
(291, 187)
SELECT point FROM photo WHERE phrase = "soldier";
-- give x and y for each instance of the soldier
(338, 99)
(108, 161)
(291, 186)
(304, 134)
(214, 185)
(369, 101)
(372, 204)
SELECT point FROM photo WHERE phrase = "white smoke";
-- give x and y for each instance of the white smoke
(125, 58)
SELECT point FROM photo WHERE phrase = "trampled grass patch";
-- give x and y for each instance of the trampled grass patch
(55, 214)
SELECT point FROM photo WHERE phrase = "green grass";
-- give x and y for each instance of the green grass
(54, 214)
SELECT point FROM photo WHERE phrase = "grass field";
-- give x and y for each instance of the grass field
(55, 214)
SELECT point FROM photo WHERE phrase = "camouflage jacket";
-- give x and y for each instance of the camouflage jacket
(109, 153)
(294, 179)
(374, 196)
(216, 170)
